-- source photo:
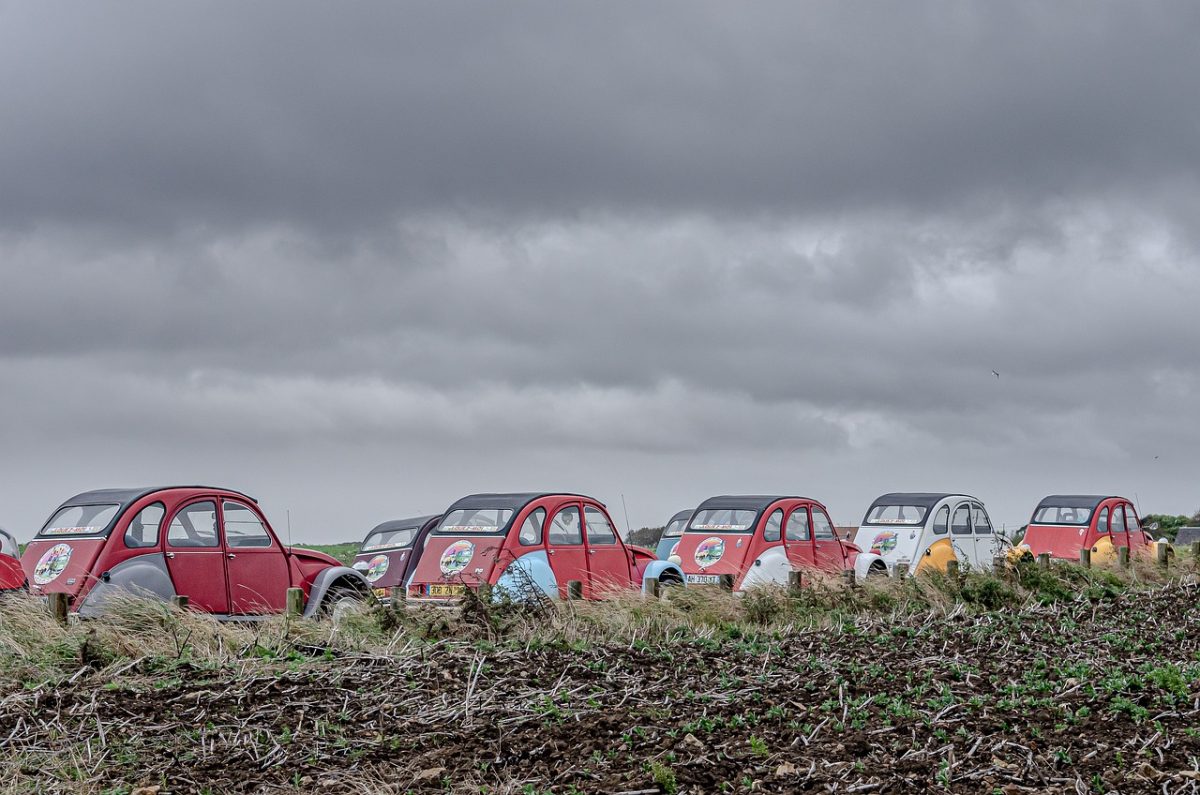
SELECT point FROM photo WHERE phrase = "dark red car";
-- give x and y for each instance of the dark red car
(12, 577)
(213, 546)
(389, 553)
(518, 542)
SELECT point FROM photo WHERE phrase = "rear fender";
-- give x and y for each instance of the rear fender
(862, 565)
(937, 555)
(529, 570)
(657, 568)
(330, 578)
(143, 576)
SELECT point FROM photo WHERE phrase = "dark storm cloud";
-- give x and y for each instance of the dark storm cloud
(397, 253)
(156, 115)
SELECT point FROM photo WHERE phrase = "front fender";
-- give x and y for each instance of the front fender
(531, 570)
(657, 568)
(143, 576)
(862, 565)
(327, 579)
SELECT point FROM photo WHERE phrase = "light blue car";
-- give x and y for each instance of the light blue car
(671, 534)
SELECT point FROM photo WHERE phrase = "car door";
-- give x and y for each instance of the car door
(607, 562)
(255, 562)
(829, 553)
(985, 535)
(962, 537)
(1116, 526)
(196, 557)
(1133, 526)
(797, 539)
(564, 547)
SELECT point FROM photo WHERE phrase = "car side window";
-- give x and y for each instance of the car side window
(979, 518)
(599, 529)
(1116, 524)
(774, 523)
(822, 527)
(1132, 524)
(1102, 522)
(961, 525)
(797, 525)
(143, 529)
(531, 529)
(195, 526)
(243, 528)
(941, 522)
(565, 530)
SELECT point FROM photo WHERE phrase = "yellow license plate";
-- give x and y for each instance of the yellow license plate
(447, 590)
(383, 593)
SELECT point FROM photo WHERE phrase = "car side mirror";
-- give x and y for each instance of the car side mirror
(1153, 526)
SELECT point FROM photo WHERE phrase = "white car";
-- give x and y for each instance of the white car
(926, 531)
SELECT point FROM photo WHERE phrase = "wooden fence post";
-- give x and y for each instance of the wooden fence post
(180, 601)
(795, 581)
(60, 605)
(652, 587)
(851, 580)
(900, 571)
(1123, 557)
(1085, 558)
(727, 582)
(952, 569)
(575, 589)
(1163, 552)
(1044, 560)
(295, 602)
(399, 596)
(1196, 549)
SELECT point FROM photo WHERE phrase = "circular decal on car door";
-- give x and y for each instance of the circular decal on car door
(709, 551)
(456, 557)
(52, 564)
(376, 568)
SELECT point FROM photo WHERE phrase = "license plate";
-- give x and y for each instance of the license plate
(447, 590)
(704, 579)
(382, 593)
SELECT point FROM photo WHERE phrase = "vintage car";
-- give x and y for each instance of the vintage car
(12, 576)
(1063, 524)
(521, 544)
(926, 531)
(669, 541)
(389, 553)
(213, 546)
(758, 540)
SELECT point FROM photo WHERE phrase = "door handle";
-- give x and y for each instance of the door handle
(591, 552)
(170, 554)
(230, 555)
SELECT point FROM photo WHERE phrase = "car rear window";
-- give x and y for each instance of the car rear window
(675, 529)
(896, 514)
(1062, 514)
(723, 520)
(397, 538)
(79, 520)
(475, 521)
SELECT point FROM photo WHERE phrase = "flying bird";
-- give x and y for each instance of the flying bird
(995, 373)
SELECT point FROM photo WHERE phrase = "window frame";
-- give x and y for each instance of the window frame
(216, 525)
(271, 541)
(158, 534)
(549, 532)
(541, 528)
(808, 533)
(814, 512)
(962, 506)
(945, 523)
(608, 541)
(777, 513)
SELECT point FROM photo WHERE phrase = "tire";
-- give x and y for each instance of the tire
(340, 600)
(877, 571)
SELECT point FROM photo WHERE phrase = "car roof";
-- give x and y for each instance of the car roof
(1075, 500)
(125, 497)
(681, 515)
(514, 501)
(401, 524)
(923, 499)
(753, 502)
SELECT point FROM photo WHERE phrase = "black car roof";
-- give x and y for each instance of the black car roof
(753, 502)
(681, 515)
(124, 497)
(923, 499)
(401, 524)
(513, 501)
(1075, 500)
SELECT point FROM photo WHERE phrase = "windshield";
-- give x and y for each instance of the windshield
(1062, 514)
(675, 529)
(8, 545)
(390, 539)
(475, 521)
(725, 520)
(80, 520)
(896, 514)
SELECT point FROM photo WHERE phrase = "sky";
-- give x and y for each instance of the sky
(361, 259)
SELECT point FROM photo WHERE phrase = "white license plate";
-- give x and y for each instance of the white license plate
(704, 579)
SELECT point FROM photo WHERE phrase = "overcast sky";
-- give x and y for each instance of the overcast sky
(360, 259)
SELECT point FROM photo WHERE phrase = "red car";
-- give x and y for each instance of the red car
(213, 546)
(759, 539)
(519, 542)
(389, 553)
(1063, 524)
(12, 577)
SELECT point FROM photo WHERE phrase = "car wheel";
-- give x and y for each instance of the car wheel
(877, 571)
(341, 602)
